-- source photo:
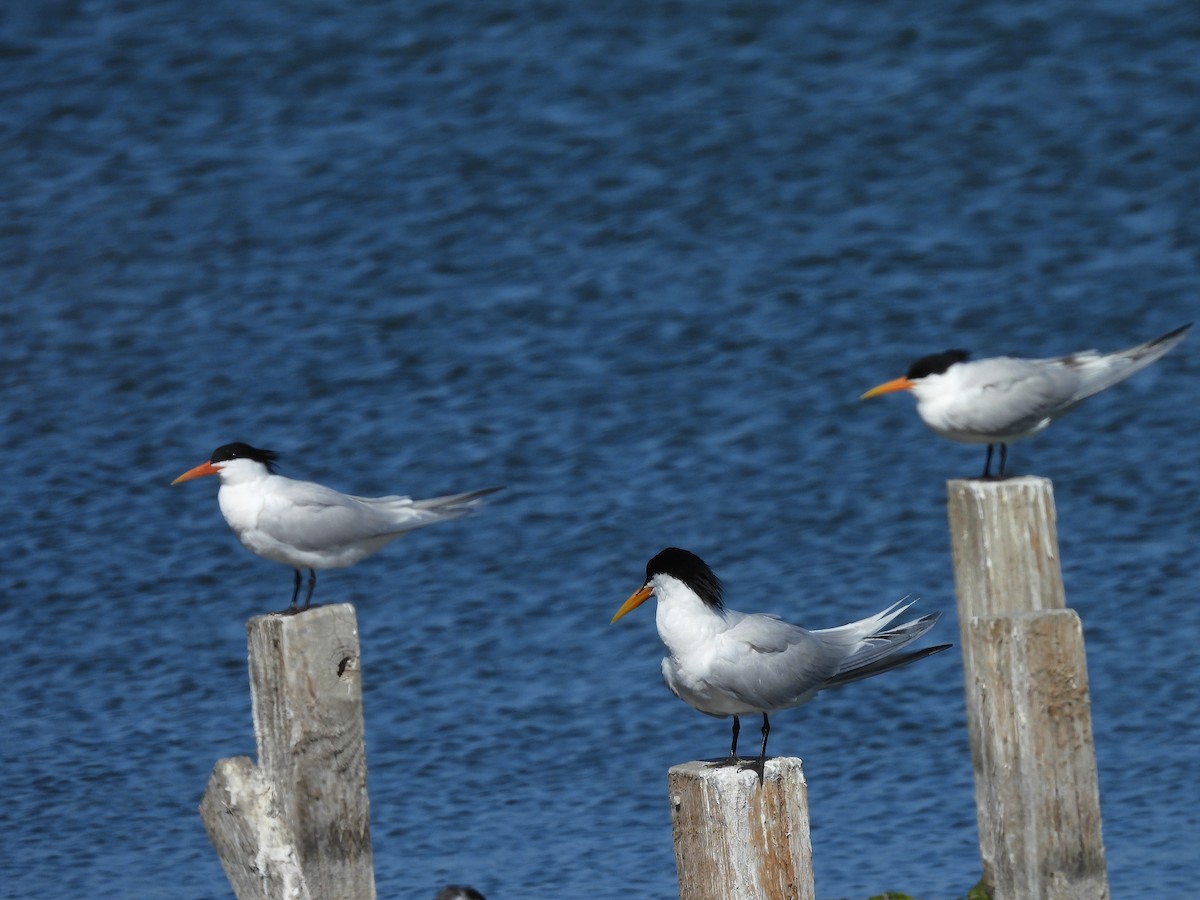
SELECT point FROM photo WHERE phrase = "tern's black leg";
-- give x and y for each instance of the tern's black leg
(312, 583)
(759, 764)
(295, 589)
(987, 466)
(1003, 458)
(733, 757)
(292, 608)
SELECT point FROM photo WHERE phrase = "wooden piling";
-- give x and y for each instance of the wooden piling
(1004, 540)
(737, 838)
(297, 824)
(1028, 714)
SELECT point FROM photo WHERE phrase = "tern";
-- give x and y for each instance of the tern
(1003, 399)
(728, 663)
(309, 526)
(459, 892)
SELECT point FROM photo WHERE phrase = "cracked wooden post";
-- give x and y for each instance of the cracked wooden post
(1037, 794)
(735, 838)
(297, 824)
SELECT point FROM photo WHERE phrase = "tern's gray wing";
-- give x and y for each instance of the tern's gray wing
(312, 517)
(769, 664)
(1017, 395)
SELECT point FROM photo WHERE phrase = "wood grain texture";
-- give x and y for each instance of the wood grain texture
(308, 792)
(735, 838)
(1004, 541)
(255, 846)
(1036, 787)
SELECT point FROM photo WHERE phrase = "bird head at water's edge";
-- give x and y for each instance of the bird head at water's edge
(685, 567)
(926, 366)
(229, 454)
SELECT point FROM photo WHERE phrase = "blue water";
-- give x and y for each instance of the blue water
(636, 261)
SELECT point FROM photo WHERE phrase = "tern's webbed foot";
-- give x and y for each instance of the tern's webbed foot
(758, 766)
(744, 764)
(296, 610)
(725, 763)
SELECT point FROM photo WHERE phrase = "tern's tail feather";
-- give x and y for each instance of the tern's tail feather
(883, 665)
(402, 514)
(1103, 370)
(873, 650)
(454, 504)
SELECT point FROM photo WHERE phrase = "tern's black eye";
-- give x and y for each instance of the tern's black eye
(936, 364)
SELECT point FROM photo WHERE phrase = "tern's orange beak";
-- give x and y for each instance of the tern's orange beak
(888, 387)
(205, 468)
(640, 596)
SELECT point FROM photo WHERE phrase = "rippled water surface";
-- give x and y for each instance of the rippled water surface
(635, 261)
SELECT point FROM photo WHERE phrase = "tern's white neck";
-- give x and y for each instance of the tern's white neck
(941, 398)
(931, 388)
(684, 620)
(244, 490)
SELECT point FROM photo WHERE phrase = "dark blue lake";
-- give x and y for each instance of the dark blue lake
(635, 261)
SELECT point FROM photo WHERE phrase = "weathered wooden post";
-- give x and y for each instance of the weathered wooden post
(737, 838)
(297, 825)
(1037, 795)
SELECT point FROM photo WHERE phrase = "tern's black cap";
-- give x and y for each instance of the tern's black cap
(238, 450)
(691, 570)
(935, 364)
